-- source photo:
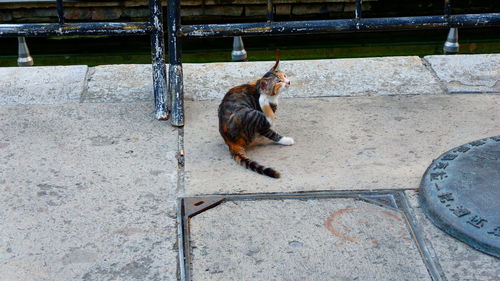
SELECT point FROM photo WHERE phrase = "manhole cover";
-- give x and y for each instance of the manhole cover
(460, 193)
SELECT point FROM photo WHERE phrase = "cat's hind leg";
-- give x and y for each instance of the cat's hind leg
(277, 138)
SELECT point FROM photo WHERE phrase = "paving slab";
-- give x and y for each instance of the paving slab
(85, 190)
(468, 73)
(315, 78)
(458, 260)
(119, 83)
(42, 84)
(340, 143)
(325, 239)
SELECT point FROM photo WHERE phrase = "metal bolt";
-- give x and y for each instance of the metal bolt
(238, 53)
(451, 45)
(24, 58)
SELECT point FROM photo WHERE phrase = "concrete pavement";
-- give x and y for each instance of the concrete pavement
(88, 178)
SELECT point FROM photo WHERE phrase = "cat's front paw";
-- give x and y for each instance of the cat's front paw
(286, 141)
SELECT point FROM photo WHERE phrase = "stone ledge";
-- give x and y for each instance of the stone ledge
(387, 76)
(316, 78)
(468, 73)
(42, 84)
(119, 83)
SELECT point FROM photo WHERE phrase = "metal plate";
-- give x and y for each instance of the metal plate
(460, 193)
(191, 213)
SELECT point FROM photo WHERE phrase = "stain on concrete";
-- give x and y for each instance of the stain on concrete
(103, 140)
(333, 219)
(79, 256)
(136, 270)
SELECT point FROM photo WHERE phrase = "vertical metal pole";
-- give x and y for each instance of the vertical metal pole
(158, 60)
(358, 12)
(447, 8)
(270, 14)
(238, 53)
(451, 45)
(175, 83)
(60, 11)
(24, 58)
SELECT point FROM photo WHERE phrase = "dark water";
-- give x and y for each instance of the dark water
(100, 50)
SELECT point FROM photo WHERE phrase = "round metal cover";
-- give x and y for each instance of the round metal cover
(460, 193)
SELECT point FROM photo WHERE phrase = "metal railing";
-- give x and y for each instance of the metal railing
(153, 27)
(173, 103)
(177, 32)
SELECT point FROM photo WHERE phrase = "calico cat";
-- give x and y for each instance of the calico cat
(248, 111)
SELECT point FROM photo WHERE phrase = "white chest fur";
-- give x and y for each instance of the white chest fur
(264, 102)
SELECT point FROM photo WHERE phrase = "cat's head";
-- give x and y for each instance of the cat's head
(274, 81)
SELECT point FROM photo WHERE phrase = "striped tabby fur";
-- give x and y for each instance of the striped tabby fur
(248, 111)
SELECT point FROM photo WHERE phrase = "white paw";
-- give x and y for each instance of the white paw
(286, 141)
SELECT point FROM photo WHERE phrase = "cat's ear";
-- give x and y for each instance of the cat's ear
(275, 67)
(266, 85)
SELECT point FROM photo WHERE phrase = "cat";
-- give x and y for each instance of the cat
(248, 111)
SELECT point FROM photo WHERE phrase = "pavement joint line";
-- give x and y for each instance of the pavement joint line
(442, 84)
(424, 247)
(88, 76)
(475, 93)
(180, 162)
(180, 189)
(315, 193)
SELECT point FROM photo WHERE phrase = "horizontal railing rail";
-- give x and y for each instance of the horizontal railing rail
(67, 29)
(341, 25)
(153, 27)
(177, 32)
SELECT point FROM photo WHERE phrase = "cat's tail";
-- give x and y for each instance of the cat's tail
(240, 157)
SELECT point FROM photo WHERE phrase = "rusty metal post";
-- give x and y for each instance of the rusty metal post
(24, 58)
(158, 60)
(175, 82)
(451, 45)
(238, 53)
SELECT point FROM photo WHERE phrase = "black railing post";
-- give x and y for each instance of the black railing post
(358, 12)
(447, 8)
(175, 83)
(60, 11)
(158, 60)
(270, 11)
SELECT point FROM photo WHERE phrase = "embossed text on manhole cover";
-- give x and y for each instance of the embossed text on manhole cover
(460, 193)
